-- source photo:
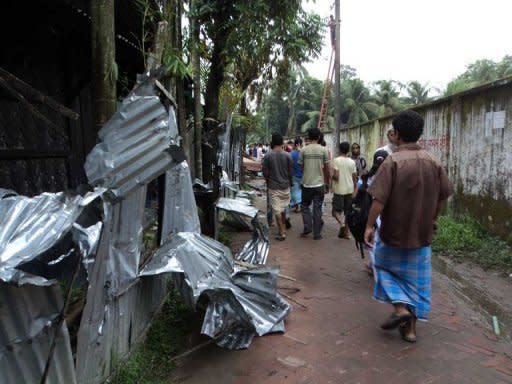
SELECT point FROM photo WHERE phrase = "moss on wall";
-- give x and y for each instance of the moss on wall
(496, 215)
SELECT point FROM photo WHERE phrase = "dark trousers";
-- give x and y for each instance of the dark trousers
(312, 222)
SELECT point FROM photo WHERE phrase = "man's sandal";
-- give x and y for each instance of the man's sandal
(395, 320)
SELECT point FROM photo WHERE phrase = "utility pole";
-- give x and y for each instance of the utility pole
(337, 93)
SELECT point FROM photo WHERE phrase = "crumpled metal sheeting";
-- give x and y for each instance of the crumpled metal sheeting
(249, 195)
(27, 314)
(224, 140)
(31, 226)
(180, 209)
(247, 307)
(173, 127)
(87, 240)
(239, 213)
(133, 147)
(199, 257)
(110, 329)
(255, 251)
(6, 193)
(123, 220)
(241, 304)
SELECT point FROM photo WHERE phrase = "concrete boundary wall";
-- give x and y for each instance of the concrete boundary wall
(471, 133)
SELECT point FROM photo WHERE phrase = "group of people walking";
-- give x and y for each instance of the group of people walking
(407, 186)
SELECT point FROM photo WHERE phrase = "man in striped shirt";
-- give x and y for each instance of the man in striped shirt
(314, 161)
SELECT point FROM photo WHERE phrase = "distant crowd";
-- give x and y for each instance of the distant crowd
(390, 209)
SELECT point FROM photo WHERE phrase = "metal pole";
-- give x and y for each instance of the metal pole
(337, 92)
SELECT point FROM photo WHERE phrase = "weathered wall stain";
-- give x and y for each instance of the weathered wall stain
(471, 133)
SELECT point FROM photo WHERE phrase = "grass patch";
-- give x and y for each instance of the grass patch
(464, 239)
(225, 237)
(149, 363)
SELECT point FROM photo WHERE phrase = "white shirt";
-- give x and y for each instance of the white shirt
(389, 148)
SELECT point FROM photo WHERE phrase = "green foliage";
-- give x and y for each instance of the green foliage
(173, 61)
(225, 237)
(480, 72)
(149, 363)
(357, 104)
(464, 239)
(247, 40)
(417, 93)
(387, 96)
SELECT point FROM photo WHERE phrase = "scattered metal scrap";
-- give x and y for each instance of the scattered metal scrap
(241, 303)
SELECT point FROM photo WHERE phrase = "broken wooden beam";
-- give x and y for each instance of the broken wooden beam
(33, 94)
(29, 106)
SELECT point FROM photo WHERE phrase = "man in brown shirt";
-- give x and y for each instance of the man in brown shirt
(408, 191)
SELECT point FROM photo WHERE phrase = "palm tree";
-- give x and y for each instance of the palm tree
(417, 93)
(357, 106)
(387, 96)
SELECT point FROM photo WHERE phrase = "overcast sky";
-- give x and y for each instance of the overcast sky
(430, 41)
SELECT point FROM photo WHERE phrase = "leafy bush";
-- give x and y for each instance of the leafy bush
(464, 239)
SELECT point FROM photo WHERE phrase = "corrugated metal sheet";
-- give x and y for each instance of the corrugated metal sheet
(133, 148)
(27, 316)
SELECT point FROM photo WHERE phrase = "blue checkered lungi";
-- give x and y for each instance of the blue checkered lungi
(403, 276)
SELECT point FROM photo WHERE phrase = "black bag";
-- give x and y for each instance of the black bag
(358, 215)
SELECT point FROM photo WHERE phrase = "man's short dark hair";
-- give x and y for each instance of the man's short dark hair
(277, 139)
(298, 141)
(344, 147)
(314, 133)
(409, 125)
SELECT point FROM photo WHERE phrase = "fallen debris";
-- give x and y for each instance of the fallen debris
(241, 303)
(496, 325)
(295, 301)
(252, 266)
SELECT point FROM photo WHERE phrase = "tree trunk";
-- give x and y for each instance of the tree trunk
(104, 69)
(196, 71)
(180, 86)
(215, 79)
(291, 116)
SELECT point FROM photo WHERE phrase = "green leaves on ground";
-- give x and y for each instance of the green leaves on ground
(464, 239)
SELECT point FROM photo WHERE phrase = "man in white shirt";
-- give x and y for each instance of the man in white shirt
(344, 180)
(391, 145)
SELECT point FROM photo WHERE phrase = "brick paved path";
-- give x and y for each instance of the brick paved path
(337, 339)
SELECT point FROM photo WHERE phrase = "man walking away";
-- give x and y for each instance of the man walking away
(296, 197)
(315, 177)
(344, 180)
(277, 170)
(359, 159)
(408, 190)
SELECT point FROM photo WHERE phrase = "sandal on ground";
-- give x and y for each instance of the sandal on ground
(405, 337)
(280, 237)
(395, 320)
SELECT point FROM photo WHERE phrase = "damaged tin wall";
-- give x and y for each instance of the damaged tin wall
(133, 151)
(136, 146)
(39, 237)
(27, 318)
